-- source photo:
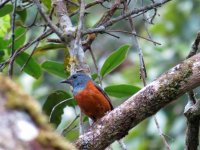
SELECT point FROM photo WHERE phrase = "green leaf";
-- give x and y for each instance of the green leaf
(21, 18)
(47, 3)
(2, 53)
(20, 37)
(55, 104)
(114, 60)
(55, 68)
(32, 68)
(94, 76)
(6, 10)
(4, 43)
(121, 90)
(4, 25)
(49, 47)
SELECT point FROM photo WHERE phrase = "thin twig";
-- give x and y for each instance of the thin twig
(94, 3)
(143, 73)
(36, 45)
(51, 13)
(24, 47)
(54, 108)
(17, 38)
(95, 64)
(47, 19)
(127, 32)
(111, 34)
(154, 117)
(65, 130)
(10, 69)
(161, 132)
(125, 15)
(88, 6)
(145, 20)
(108, 14)
(54, 40)
(155, 13)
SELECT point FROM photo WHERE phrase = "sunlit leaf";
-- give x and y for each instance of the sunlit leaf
(114, 60)
(121, 90)
(55, 104)
(47, 3)
(4, 25)
(72, 7)
(32, 67)
(55, 68)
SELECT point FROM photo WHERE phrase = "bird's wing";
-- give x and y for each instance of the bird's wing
(104, 93)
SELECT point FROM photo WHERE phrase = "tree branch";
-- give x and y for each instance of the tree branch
(125, 15)
(22, 123)
(192, 109)
(146, 102)
(192, 113)
(47, 19)
(77, 59)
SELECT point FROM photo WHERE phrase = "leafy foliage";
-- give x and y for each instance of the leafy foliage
(45, 48)
(121, 90)
(6, 10)
(175, 29)
(32, 68)
(114, 60)
(55, 68)
(55, 104)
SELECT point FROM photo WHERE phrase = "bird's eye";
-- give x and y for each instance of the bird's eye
(74, 77)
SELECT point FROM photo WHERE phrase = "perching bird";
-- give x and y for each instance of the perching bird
(91, 98)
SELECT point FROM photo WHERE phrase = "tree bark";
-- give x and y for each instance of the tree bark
(22, 124)
(165, 89)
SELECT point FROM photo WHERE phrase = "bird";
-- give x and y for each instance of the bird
(90, 97)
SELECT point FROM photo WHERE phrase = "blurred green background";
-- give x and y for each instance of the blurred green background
(174, 27)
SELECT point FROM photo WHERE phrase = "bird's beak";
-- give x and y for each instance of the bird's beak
(68, 81)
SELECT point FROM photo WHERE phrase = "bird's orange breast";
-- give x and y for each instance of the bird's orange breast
(92, 102)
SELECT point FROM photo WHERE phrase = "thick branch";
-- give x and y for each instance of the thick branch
(77, 59)
(169, 86)
(22, 124)
(192, 113)
(192, 109)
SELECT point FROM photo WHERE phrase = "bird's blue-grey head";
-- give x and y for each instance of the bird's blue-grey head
(78, 82)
